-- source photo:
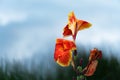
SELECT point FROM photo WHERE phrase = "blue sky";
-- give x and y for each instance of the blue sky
(31, 26)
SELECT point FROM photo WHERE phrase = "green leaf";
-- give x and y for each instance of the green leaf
(75, 57)
(81, 77)
(79, 68)
(78, 78)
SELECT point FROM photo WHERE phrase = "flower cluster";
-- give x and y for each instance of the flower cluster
(65, 50)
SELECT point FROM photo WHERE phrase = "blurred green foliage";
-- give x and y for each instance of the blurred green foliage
(108, 69)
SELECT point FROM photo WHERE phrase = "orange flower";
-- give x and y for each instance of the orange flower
(95, 54)
(74, 25)
(91, 68)
(63, 52)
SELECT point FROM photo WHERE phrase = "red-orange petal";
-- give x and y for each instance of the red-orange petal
(64, 58)
(74, 25)
(67, 31)
(63, 51)
(91, 68)
(82, 25)
(71, 17)
(95, 54)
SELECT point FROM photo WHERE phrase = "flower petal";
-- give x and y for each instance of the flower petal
(67, 31)
(71, 26)
(63, 51)
(74, 25)
(83, 25)
(71, 18)
(91, 68)
(64, 58)
(95, 54)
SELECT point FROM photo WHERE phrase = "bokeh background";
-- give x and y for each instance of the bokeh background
(29, 28)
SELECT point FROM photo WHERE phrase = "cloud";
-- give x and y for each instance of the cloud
(33, 25)
(27, 40)
(11, 17)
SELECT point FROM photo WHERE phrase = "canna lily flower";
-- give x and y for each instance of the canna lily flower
(95, 54)
(91, 68)
(74, 25)
(63, 52)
